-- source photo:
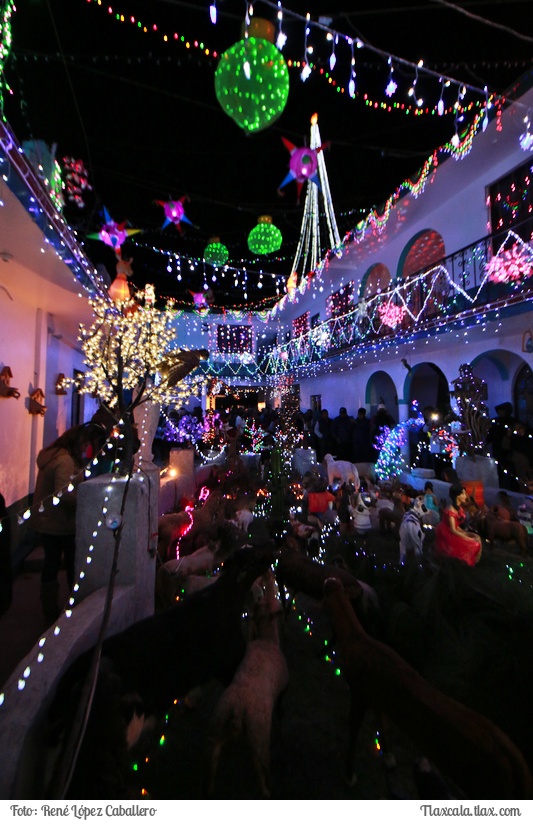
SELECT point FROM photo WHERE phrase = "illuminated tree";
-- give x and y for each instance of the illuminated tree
(131, 357)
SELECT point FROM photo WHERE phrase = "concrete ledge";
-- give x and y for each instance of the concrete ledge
(441, 488)
(21, 758)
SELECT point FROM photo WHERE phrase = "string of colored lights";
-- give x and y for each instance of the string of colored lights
(376, 221)
(369, 101)
(365, 322)
(306, 66)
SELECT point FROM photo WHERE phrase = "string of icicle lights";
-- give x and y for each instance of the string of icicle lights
(339, 43)
(458, 147)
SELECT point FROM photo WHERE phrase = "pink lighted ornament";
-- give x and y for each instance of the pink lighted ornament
(113, 234)
(174, 212)
(391, 314)
(303, 165)
(202, 300)
(511, 265)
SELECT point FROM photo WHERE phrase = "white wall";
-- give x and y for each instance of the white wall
(40, 310)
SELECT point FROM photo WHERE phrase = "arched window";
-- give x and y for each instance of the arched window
(422, 251)
(375, 280)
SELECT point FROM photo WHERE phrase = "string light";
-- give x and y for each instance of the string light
(351, 82)
(213, 12)
(526, 138)
(282, 37)
(333, 56)
(306, 67)
(392, 84)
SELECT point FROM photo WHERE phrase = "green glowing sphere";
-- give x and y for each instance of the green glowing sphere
(265, 237)
(216, 253)
(252, 83)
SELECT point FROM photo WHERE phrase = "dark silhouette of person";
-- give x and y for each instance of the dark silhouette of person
(341, 430)
(362, 450)
(324, 438)
(381, 425)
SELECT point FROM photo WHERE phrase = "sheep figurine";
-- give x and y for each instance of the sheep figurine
(345, 471)
(245, 708)
(172, 575)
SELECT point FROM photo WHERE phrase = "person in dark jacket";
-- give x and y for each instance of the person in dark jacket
(61, 470)
(324, 438)
(362, 451)
(382, 424)
(341, 430)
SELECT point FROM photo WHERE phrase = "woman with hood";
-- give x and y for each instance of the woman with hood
(60, 466)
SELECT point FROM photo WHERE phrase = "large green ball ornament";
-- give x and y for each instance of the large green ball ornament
(264, 238)
(216, 253)
(252, 83)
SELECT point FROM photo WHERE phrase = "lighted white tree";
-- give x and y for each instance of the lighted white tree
(132, 358)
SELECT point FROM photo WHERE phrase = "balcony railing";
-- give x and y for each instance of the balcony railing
(494, 272)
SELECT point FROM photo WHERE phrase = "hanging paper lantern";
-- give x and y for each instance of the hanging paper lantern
(510, 265)
(252, 83)
(113, 234)
(174, 212)
(303, 165)
(265, 237)
(215, 252)
(202, 300)
(391, 315)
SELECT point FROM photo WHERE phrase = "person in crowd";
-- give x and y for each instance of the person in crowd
(425, 456)
(362, 451)
(341, 431)
(381, 425)
(324, 437)
(451, 540)
(308, 429)
(60, 471)
(237, 422)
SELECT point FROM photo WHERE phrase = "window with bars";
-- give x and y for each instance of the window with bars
(300, 325)
(511, 201)
(235, 340)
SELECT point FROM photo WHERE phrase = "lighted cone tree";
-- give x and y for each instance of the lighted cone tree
(126, 346)
(318, 206)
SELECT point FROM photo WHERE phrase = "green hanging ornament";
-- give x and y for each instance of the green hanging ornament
(252, 83)
(216, 253)
(264, 238)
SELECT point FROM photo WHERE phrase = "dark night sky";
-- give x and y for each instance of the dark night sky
(143, 116)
